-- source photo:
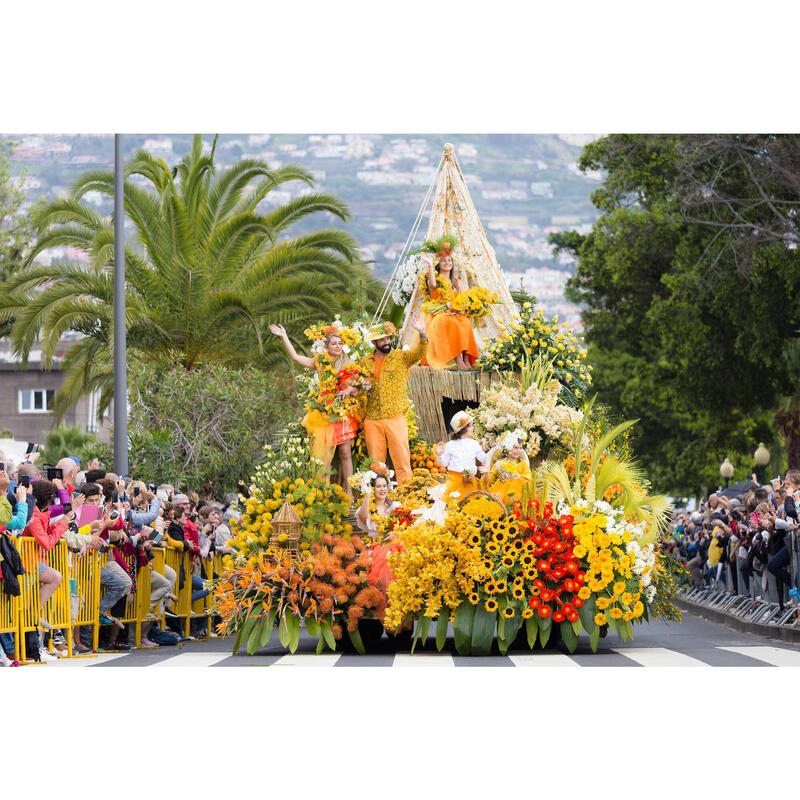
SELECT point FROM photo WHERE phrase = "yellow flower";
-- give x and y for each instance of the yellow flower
(638, 609)
(584, 593)
(527, 613)
(603, 603)
(600, 619)
(473, 598)
(579, 551)
(615, 613)
(627, 616)
(490, 605)
(508, 612)
(627, 598)
(619, 587)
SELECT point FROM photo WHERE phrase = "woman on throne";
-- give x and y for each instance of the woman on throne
(451, 340)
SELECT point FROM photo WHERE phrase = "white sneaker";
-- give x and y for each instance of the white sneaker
(5, 661)
(45, 655)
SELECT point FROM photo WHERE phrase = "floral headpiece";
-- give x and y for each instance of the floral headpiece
(443, 246)
(381, 329)
(510, 439)
(460, 421)
(319, 334)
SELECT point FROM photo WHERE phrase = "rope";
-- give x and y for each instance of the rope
(407, 245)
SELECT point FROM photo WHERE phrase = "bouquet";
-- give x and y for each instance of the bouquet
(475, 303)
(507, 469)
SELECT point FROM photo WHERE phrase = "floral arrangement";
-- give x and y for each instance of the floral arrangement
(324, 392)
(446, 294)
(406, 278)
(423, 456)
(536, 416)
(476, 302)
(413, 493)
(506, 469)
(533, 335)
(326, 590)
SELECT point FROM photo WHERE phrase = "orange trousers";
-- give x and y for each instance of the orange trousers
(394, 432)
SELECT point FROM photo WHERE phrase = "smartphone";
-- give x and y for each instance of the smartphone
(25, 480)
(158, 537)
(67, 507)
(32, 448)
(2, 466)
(55, 472)
(136, 491)
(115, 496)
(114, 515)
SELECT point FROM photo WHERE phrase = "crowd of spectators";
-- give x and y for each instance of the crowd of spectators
(754, 533)
(93, 508)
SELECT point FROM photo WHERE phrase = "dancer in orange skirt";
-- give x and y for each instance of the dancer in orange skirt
(451, 339)
(329, 436)
(463, 458)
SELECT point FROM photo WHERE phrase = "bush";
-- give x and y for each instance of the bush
(205, 429)
(62, 442)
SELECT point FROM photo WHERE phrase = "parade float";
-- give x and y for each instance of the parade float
(571, 547)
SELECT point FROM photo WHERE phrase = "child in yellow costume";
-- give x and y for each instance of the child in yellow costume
(510, 469)
(463, 458)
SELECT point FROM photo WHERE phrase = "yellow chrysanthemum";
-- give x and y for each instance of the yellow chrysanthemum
(615, 613)
(600, 619)
(584, 593)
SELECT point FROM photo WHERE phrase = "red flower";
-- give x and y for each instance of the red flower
(558, 616)
(544, 611)
(577, 602)
(534, 602)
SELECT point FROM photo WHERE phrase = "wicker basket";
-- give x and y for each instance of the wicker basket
(484, 493)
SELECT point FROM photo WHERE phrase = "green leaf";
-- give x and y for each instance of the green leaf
(501, 626)
(313, 627)
(512, 628)
(441, 630)
(244, 633)
(283, 631)
(577, 627)
(462, 628)
(320, 644)
(531, 629)
(545, 625)
(628, 628)
(327, 634)
(293, 625)
(568, 636)
(586, 612)
(424, 627)
(254, 640)
(483, 631)
(594, 638)
(355, 638)
(267, 628)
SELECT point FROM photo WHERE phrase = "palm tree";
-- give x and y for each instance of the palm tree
(206, 271)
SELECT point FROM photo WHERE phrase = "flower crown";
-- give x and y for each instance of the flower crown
(350, 335)
(381, 329)
(443, 246)
(510, 438)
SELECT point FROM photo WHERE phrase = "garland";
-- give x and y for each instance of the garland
(446, 293)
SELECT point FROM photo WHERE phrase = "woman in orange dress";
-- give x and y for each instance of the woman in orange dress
(451, 340)
(327, 437)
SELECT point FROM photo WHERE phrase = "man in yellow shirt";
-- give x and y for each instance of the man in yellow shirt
(387, 399)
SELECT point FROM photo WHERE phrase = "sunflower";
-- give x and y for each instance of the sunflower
(473, 598)
(499, 536)
(513, 530)
(508, 612)
(487, 563)
(518, 592)
(490, 588)
(490, 605)
(501, 586)
(527, 560)
(508, 561)
(531, 574)
(474, 539)
(527, 613)
(518, 545)
(492, 547)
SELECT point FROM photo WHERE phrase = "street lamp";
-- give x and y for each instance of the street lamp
(761, 457)
(726, 470)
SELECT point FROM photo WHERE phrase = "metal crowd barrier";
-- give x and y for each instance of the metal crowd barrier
(742, 602)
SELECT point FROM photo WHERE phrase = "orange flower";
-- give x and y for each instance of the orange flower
(337, 631)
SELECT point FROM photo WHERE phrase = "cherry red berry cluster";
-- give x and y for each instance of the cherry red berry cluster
(555, 590)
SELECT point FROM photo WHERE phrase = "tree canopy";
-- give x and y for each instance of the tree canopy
(690, 280)
(206, 270)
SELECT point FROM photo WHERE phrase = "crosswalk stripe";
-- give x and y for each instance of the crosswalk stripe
(777, 656)
(658, 657)
(191, 660)
(542, 660)
(307, 660)
(423, 660)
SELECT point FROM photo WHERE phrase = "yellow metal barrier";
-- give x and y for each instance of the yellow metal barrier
(9, 618)
(157, 564)
(30, 611)
(57, 610)
(183, 607)
(85, 571)
(205, 606)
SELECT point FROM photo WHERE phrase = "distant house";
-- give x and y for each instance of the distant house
(27, 394)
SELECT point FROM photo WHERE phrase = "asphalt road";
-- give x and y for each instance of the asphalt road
(694, 642)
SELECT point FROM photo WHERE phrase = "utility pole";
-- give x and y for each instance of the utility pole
(120, 344)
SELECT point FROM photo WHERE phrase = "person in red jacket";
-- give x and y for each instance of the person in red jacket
(46, 534)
